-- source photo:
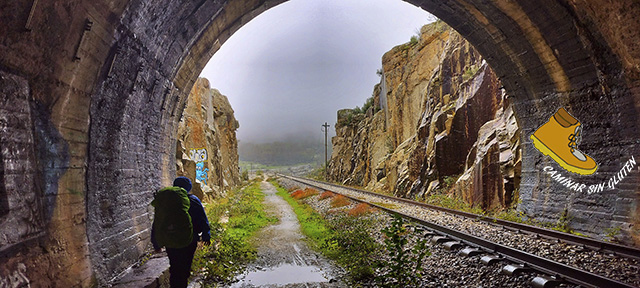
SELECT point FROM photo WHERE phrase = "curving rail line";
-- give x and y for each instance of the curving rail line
(558, 270)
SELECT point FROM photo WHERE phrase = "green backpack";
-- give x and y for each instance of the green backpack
(172, 222)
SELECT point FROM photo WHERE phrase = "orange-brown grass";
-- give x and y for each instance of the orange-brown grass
(360, 209)
(327, 194)
(339, 201)
(294, 188)
(301, 194)
(297, 194)
(311, 191)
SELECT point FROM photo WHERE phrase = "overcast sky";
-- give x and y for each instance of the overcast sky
(291, 68)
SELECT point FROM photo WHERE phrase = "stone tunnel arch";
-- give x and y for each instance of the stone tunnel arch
(114, 77)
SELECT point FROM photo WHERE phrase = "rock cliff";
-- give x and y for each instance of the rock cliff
(440, 122)
(207, 148)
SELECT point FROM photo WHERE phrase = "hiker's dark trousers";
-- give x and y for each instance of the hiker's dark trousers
(180, 260)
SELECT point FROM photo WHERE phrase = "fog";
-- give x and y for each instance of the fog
(290, 69)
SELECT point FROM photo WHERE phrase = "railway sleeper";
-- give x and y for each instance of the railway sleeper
(470, 252)
(440, 239)
(452, 245)
(545, 282)
(515, 269)
(490, 259)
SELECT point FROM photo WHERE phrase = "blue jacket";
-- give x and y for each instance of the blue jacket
(198, 219)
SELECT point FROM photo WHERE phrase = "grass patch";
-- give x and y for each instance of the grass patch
(231, 248)
(344, 239)
(311, 223)
(446, 201)
(386, 205)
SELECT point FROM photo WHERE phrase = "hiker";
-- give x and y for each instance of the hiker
(180, 258)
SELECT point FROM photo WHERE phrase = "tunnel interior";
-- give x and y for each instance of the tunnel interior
(114, 77)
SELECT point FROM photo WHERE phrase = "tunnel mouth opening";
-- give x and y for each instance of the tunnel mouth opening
(515, 62)
(468, 72)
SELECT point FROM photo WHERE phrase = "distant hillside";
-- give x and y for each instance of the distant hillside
(284, 153)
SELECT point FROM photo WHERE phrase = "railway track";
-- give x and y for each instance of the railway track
(601, 264)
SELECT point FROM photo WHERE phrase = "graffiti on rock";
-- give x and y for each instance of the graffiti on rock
(200, 156)
(202, 173)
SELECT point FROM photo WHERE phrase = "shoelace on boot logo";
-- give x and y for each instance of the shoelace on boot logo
(558, 138)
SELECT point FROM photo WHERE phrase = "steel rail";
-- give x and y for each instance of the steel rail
(546, 266)
(616, 249)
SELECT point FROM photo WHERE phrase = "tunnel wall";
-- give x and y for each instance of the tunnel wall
(92, 91)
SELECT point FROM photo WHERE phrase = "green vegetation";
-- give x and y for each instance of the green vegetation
(233, 221)
(386, 205)
(612, 233)
(563, 222)
(367, 104)
(344, 239)
(469, 72)
(448, 181)
(446, 201)
(351, 118)
(404, 266)
(414, 40)
(311, 223)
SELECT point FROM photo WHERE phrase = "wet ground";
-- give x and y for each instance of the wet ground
(284, 259)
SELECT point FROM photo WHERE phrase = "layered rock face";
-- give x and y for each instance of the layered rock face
(440, 122)
(207, 148)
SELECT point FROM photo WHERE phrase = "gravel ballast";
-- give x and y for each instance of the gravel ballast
(442, 268)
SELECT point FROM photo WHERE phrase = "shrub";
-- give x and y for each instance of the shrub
(360, 209)
(339, 201)
(367, 104)
(404, 266)
(327, 194)
(414, 40)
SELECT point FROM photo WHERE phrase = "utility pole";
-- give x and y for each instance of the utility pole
(325, 128)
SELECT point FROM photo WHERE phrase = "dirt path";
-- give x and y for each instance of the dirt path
(284, 259)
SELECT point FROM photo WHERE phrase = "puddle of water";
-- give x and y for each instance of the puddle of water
(283, 275)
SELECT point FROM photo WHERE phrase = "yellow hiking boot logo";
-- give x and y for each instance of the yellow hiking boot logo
(559, 138)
